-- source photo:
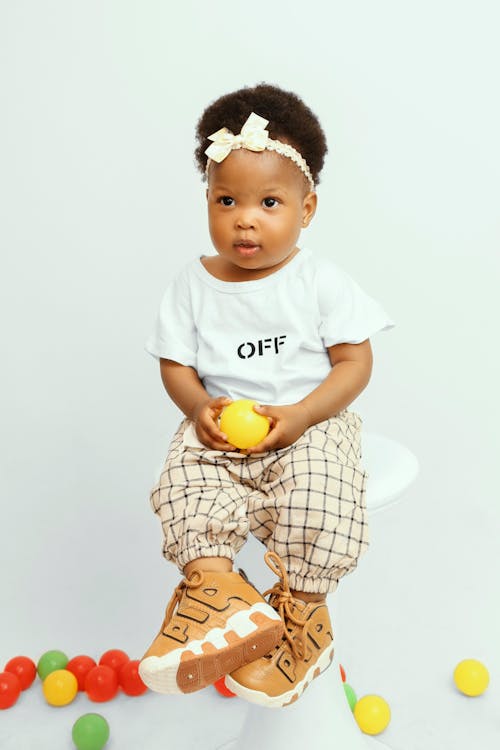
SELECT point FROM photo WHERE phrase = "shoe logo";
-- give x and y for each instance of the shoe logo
(177, 633)
(286, 665)
(192, 612)
(321, 636)
(221, 603)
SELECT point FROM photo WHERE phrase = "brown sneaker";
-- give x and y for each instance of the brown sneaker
(214, 623)
(306, 649)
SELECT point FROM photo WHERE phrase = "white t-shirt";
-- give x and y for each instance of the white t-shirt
(264, 339)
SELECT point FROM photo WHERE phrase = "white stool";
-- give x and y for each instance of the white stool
(324, 707)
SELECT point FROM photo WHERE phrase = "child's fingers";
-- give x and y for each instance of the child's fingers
(214, 443)
(218, 438)
(267, 412)
(268, 444)
(218, 404)
(212, 427)
(223, 446)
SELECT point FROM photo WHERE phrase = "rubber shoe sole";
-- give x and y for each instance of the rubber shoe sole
(277, 701)
(246, 636)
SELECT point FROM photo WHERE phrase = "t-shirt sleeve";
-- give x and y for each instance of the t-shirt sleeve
(348, 314)
(174, 335)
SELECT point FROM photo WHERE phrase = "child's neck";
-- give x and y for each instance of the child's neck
(223, 270)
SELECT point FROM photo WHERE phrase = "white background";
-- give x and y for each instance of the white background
(100, 203)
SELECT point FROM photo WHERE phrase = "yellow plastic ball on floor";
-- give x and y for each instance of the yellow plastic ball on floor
(471, 677)
(242, 425)
(60, 687)
(372, 714)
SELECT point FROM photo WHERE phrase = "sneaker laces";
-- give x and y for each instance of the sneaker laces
(282, 600)
(194, 581)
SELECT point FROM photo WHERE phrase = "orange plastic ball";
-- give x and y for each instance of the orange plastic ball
(114, 658)
(101, 684)
(10, 689)
(24, 669)
(221, 687)
(80, 666)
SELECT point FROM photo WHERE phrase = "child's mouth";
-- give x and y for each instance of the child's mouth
(247, 249)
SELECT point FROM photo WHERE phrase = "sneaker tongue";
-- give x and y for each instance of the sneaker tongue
(299, 604)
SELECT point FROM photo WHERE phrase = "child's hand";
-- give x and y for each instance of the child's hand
(288, 423)
(207, 428)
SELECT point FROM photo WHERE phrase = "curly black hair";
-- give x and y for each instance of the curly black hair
(290, 121)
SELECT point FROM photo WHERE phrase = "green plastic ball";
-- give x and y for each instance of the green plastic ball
(50, 661)
(350, 695)
(90, 732)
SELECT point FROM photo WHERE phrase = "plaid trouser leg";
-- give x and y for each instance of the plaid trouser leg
(306, 502)
(202, 509)
(311, 506)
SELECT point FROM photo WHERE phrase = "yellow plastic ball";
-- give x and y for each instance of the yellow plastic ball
(242, 425)
(60, 687)
(471, 677)
(372, 714)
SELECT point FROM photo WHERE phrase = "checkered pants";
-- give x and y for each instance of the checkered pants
(305, 502)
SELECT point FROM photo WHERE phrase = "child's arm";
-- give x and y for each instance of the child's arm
(186, 390)
(349, 376)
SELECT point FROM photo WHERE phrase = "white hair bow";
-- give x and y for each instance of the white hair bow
(253, 136)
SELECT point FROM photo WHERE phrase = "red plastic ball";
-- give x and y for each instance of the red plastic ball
(130, 679)
(80, 666)
(24, 669)
(10, 689)
(114, 658)
(221, 688)
(101, 683)
(342, 672)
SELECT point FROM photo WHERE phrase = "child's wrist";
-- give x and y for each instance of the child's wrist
(196, 408)
(308, 417)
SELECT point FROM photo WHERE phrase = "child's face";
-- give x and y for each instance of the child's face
(257, 205)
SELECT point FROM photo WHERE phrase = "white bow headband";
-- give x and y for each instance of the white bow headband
(253, 137)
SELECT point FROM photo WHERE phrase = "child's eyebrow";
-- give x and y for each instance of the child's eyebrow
(274, 189)
(265, 190)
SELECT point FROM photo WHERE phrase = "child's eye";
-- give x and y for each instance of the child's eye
(270, 202)
(226, 200)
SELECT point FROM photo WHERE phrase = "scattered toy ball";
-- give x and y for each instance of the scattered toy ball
(24, 669)
(50, 661)
(350, 695)
(242, 425)
(10, 689)
(342, 672)
(471, 677)
(90, 732)
(130, 679)
(221, 687)
(80, 666)
(101, 683)
(60, 687)
(372, 714)
(114, 658)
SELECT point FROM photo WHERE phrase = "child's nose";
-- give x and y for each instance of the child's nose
(245, 220)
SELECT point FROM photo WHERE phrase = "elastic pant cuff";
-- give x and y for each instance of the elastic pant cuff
(189, 554)
(312, 585)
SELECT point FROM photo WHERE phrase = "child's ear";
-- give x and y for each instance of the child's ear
(309, 208)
